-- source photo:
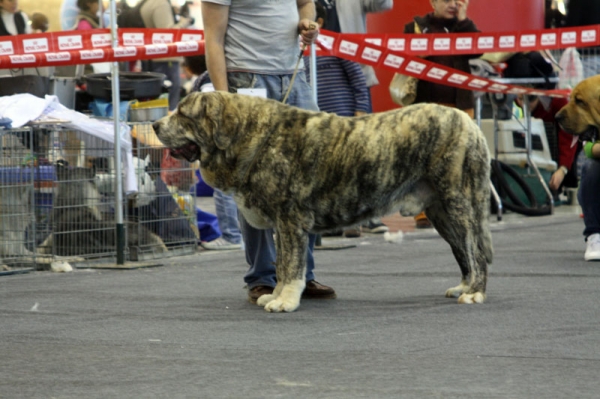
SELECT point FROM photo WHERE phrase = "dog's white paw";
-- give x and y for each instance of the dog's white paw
(61, 267)
(264, 299)
(476, 297)
(457, 291)
(288, 299)
(280, 305)
(394, 238)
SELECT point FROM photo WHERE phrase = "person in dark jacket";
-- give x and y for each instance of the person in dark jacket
(582, 13)
(448, 16)
(13, 21)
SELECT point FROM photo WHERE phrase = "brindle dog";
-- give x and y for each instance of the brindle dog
(300, 171)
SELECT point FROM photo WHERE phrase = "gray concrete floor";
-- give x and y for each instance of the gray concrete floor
(186, 330)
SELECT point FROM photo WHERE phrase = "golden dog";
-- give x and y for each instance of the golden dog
(300, 171)
(581, 116)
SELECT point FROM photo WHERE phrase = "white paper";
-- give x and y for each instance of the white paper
(23, 108)
(253, 92)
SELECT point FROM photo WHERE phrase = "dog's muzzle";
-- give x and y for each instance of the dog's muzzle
(190, 152)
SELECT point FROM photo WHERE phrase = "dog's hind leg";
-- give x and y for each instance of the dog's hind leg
(292, 247)
(454, 221)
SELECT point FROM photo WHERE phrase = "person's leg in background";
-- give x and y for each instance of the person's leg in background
(172, 71)
(227, 216)
(589, 199)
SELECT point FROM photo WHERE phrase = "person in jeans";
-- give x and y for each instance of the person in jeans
(589, 199)
(255, 44)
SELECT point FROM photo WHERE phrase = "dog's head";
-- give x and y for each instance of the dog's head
(202, 124)
(581, 116)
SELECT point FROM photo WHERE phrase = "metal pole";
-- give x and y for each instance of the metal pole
(313, 85)
(120, 231)
(528, 137)
(313, 72)
(529, 150)
(101, 8)
(478, 107)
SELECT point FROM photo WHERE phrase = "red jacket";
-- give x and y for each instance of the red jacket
(566, 153)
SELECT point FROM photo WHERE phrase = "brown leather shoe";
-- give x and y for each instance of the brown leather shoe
(315, 290)
(421, 221)
(352, 232)
(256, 292)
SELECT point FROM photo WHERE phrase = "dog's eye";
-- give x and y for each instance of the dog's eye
(579, 101)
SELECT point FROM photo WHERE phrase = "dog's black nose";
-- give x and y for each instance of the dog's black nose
(559, 117)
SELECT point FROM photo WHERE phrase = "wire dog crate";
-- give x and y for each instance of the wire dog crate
(75, 203)
(82, 220)
(73, 197)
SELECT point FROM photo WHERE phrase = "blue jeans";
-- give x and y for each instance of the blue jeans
(227, 215)
(589, 196)
(260, 246)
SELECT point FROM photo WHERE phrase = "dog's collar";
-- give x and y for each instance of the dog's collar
(590, 134)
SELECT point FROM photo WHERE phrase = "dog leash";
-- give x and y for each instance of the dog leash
(287, 94)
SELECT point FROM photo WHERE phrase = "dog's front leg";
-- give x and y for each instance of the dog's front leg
(292, 247)
(264, 299)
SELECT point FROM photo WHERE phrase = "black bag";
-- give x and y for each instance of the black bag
(530, 65)
(131, 17)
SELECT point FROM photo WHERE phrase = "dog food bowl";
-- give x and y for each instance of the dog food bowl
(148, 111)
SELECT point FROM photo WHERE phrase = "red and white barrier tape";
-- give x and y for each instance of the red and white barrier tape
(482, 42)
(84, 47)
(366, 49)
(397, 52)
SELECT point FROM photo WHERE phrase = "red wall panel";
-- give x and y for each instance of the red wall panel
(505, 15)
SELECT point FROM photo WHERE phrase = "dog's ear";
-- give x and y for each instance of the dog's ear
(216, 119)
(221, 118)
(205, 110)
(229, 122)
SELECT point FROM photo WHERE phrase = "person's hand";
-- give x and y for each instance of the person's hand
(309, 30)
(359, 113)
(557, 179)
(462, 6)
